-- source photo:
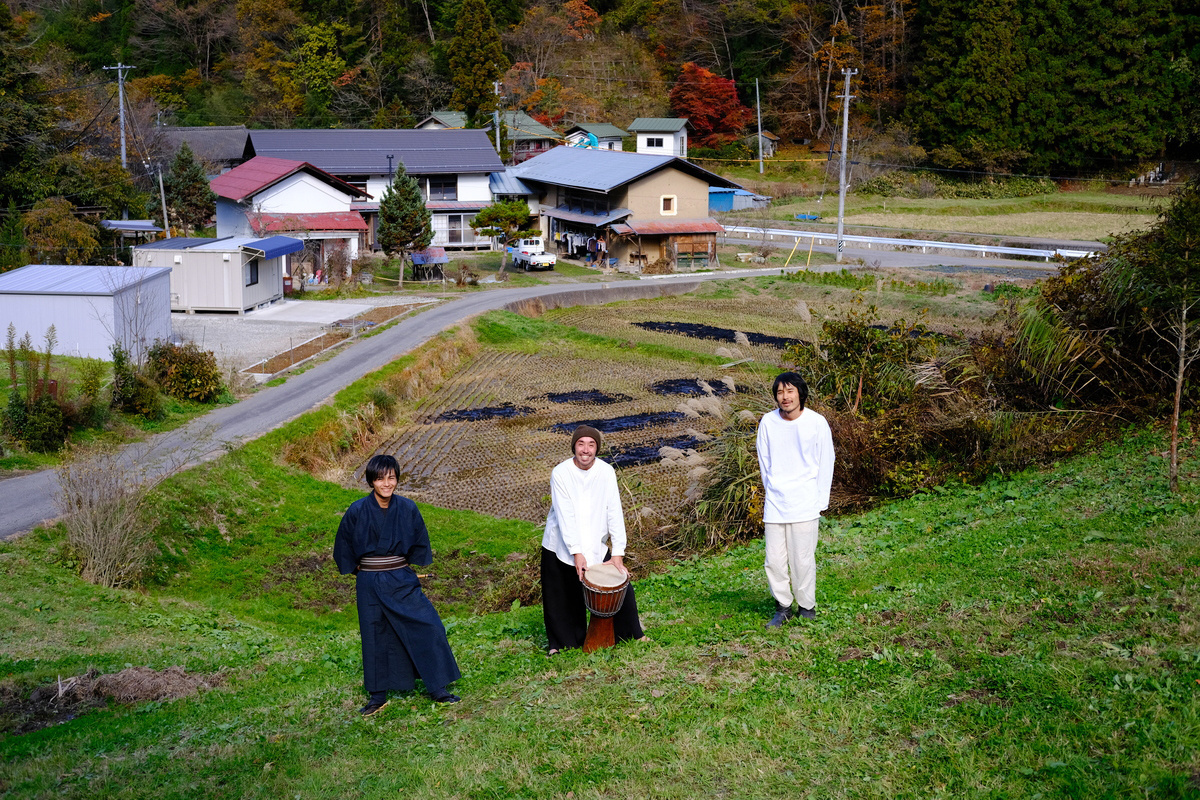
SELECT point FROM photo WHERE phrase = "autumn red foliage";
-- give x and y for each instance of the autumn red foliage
(710, 103)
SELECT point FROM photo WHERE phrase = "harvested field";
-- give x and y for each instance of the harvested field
(500, 465)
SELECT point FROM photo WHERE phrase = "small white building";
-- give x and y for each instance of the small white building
(661, 136)
(596, 135)
(91, 308)
(234, 274)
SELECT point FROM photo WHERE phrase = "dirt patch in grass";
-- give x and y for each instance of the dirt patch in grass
(65, 699)
(313, 580)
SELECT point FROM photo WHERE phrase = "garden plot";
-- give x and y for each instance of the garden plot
(487, 439)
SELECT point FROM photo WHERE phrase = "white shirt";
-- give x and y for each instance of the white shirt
(796, 461)
(585, 511)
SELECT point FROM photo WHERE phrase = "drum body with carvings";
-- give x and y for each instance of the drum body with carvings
(604, 588)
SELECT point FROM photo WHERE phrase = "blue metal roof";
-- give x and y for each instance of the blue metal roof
(75, 280)
(507, 183)
(603, 170)
(177, 243)
(275, 246)
(130, 225)
(585, 217)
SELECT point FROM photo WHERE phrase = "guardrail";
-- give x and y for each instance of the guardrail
(924, 244)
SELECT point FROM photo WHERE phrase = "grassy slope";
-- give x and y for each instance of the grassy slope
(1035, 635)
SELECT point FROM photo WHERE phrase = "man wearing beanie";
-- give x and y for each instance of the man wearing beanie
(585, 523)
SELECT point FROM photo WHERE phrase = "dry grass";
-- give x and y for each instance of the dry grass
(434, 364)
(1081, 226)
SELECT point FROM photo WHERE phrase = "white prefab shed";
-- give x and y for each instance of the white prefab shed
(234, 274)
(89, 307)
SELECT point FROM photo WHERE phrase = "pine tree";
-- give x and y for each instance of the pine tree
(190, 201)
(509, 220)
(405, 224)
(476, 61)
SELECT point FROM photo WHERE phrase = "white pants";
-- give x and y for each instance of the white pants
(792, 547)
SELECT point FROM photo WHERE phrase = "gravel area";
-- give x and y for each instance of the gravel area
(239, 341)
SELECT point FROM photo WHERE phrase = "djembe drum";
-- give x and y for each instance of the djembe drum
(603, 593)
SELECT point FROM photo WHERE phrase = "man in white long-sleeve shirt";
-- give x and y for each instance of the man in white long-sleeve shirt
(586, 522)
(795, 457)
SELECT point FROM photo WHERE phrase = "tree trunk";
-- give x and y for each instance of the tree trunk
(1180, 367)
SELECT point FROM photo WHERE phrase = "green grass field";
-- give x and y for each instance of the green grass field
(1036, 636)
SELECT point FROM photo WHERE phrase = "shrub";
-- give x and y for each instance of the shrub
(15, 415)
(45, 428)
(102, 495)
(144, 399)
(185, 371)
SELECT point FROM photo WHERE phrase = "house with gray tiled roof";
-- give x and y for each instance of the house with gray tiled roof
(218, 148)
(452, 167)
(599, 135)
(627, 210)
(527, 137)
(661, 136)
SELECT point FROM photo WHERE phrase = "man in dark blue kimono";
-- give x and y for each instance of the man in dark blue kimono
(402, 635)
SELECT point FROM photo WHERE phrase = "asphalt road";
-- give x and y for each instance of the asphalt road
(28, 500)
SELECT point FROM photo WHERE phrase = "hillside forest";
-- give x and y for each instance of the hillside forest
(1061, 87)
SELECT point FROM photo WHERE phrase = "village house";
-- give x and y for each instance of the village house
(452, 168)
(627, 210)
(661, 136)
(768, 140)
(265, 196)
(218, 148)
(527, 137)
(598, 135)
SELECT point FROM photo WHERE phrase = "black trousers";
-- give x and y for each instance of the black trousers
(564, 611)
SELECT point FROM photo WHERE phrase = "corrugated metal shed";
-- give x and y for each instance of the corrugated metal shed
(70, 279)
(603, 170)
(657, 124)
(365, 152)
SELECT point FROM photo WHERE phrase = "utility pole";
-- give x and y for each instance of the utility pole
(163, 194)
(846, 96)
(496, 114)
(758, 107)
(120, 68)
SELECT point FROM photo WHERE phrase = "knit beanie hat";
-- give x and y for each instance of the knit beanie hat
(586, 430)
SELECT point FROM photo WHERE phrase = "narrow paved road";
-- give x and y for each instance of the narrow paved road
(28, 500)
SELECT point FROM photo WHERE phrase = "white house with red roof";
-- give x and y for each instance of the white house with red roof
(266, 196)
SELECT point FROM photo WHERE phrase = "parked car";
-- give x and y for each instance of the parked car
(531, 254)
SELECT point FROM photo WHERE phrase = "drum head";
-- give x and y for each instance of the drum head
(605, 575)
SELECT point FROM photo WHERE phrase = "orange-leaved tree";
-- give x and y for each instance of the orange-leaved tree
(710, 103)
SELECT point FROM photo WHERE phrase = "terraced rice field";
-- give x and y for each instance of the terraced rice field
(525, 405)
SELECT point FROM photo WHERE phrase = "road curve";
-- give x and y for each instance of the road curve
(27, 501)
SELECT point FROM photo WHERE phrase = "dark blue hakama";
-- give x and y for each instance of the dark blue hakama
(402, 635)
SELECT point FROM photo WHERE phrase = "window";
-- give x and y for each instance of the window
(252, 272)
(357, 181)
(458, 229)
(586, 202)
(443, 187)
(654, 141)
(669, 205)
